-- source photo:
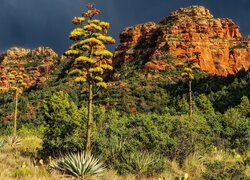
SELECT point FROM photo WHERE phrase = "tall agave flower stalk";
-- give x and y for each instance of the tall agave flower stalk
(91, 59)
(187, 69)
(79, 165)
(15, 79)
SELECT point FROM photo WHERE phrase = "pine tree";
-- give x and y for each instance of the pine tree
(90, 56)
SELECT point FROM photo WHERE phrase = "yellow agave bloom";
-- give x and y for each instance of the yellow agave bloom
(86, 47)
(96, 70)
(14, 88)
(19, 76)
(104, 25)
(94, 21)
(191, 76)
(13, 72)
(75, 71)
(77, 32)
(192, 58)
(24, 84)
(90, 40)
(106, 66)
(80, 79)
(179, 64)
(195, 66)
(103, 53)
(84, 90)
(187, 70)
(73, 52)
(106, 39)
(101, 84)
(74, 45)
(92, 27)
(85, 59)
(98, 78)
(78, 20)
(184, 74)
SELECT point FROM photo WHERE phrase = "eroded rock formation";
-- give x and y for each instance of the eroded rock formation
(38, 63)
(216, 43)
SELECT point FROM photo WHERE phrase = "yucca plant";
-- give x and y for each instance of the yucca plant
(140, 163)
(78, 165)
(13, 140)
(2, 141)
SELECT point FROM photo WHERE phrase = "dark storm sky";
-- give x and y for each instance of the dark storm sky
(33, 23)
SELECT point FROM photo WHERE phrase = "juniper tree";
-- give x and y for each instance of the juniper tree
(187, 69)
(90, 56)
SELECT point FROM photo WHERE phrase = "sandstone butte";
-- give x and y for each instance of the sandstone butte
(36, 74)
(215, 43)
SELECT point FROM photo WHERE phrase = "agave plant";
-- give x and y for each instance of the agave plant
(78, 165)
(140, 163)
(2, 141)
(13, 140)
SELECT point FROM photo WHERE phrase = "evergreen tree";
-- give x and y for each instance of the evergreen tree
(244, 107)
(90, 57)
(65, 124)
(204, 104)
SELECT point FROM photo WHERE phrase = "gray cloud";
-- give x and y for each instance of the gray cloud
(32, 23)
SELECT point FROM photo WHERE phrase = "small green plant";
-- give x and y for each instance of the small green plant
(13, 140)
(78, 165)
(22, 172)
(2, 141)
(215, 37)
(140, 163)
(239, 46)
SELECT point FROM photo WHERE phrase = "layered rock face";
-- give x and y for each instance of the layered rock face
(38, 63)
(215, 43)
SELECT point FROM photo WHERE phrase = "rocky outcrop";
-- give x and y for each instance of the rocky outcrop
(45, 51)
(215, 43)
(16, 52)
(39, 64)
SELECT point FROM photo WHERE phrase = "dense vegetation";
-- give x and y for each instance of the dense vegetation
(141, 125)
(140, 122)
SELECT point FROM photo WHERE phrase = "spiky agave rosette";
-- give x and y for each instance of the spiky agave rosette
(78, 165)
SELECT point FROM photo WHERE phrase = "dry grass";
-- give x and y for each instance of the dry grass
(18, 164)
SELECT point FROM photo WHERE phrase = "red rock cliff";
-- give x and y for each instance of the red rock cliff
(216, 43)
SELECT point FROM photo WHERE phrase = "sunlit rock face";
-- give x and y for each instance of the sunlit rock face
(38, 63)
(216, 43)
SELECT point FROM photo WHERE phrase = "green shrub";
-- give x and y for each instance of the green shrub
(65, 127)
(220, 170)
(236, 130)
(204, 105)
